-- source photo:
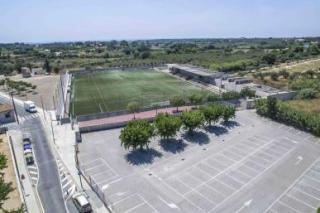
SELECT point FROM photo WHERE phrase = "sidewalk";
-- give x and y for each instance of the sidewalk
(28, 189)
(128, 117)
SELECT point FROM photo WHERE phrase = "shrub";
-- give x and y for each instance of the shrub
(284, 113)
(230, 95)
(213, 97)
(247, 92)
(274, 76)
(307, 94)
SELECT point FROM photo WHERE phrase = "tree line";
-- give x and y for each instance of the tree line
(138, 133)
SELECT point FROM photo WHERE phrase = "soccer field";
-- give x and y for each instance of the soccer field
(113, 90)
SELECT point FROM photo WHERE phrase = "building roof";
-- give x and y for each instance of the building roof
(195, 70)
(5, 107)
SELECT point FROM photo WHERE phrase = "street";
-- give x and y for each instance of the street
(49, 187)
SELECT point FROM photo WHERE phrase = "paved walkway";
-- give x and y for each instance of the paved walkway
(129, 117)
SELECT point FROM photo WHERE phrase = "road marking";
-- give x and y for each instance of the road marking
(171, 205)
(306, 193)
(253, 179)
(65, 185)
(299, 159)
(287, 206)
(304, 203)
(245, 205)
(292, 185)
(133, 208)
(33, 172)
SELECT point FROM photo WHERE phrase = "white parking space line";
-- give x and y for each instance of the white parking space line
(293, 184)
(306, 193)
(93, 167)
(301, 201)
(253, 179)
(147, 202)
(89, 163)
(289, 207)
(133, 208)
(108, 165)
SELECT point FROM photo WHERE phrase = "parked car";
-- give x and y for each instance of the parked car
(27, 146)
(81, 202)
(26, 137)
(27, 151)
(29, 159)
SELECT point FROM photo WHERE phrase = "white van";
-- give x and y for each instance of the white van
(29, 106)
(81, 202)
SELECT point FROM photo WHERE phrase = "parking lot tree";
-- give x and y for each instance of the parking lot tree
(192, 120)
(167, 125)
(133, 107)
(177, 101)
(229, 112)
(196, 99)
(136, 134)
(212, 113)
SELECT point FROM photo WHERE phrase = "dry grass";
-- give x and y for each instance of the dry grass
(14, 201)
(301, 66)
(306, 105)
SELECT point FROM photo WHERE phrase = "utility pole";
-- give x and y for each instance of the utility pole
(54, 140)
(44, 114)
(76, 151)
(14, 107)
(54, 103)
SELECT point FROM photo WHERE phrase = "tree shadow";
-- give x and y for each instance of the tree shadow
(230, 124)
(173, 145)
(200, 138)
(142, 156)
(217, 130)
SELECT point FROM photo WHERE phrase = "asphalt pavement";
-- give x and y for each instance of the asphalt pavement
(49, 187)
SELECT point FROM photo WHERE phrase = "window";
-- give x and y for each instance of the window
(8, 115)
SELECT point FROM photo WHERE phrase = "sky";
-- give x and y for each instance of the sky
(81, 20)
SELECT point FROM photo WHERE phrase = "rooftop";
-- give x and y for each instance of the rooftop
(5, 107)
(195, 70)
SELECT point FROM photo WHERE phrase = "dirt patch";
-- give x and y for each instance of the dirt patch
(14, 200)
(46, 87)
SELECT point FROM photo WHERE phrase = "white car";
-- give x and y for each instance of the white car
(81, 202)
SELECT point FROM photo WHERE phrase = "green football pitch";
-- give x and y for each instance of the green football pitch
(113, 90)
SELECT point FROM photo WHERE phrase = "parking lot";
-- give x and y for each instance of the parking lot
(249, 165)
